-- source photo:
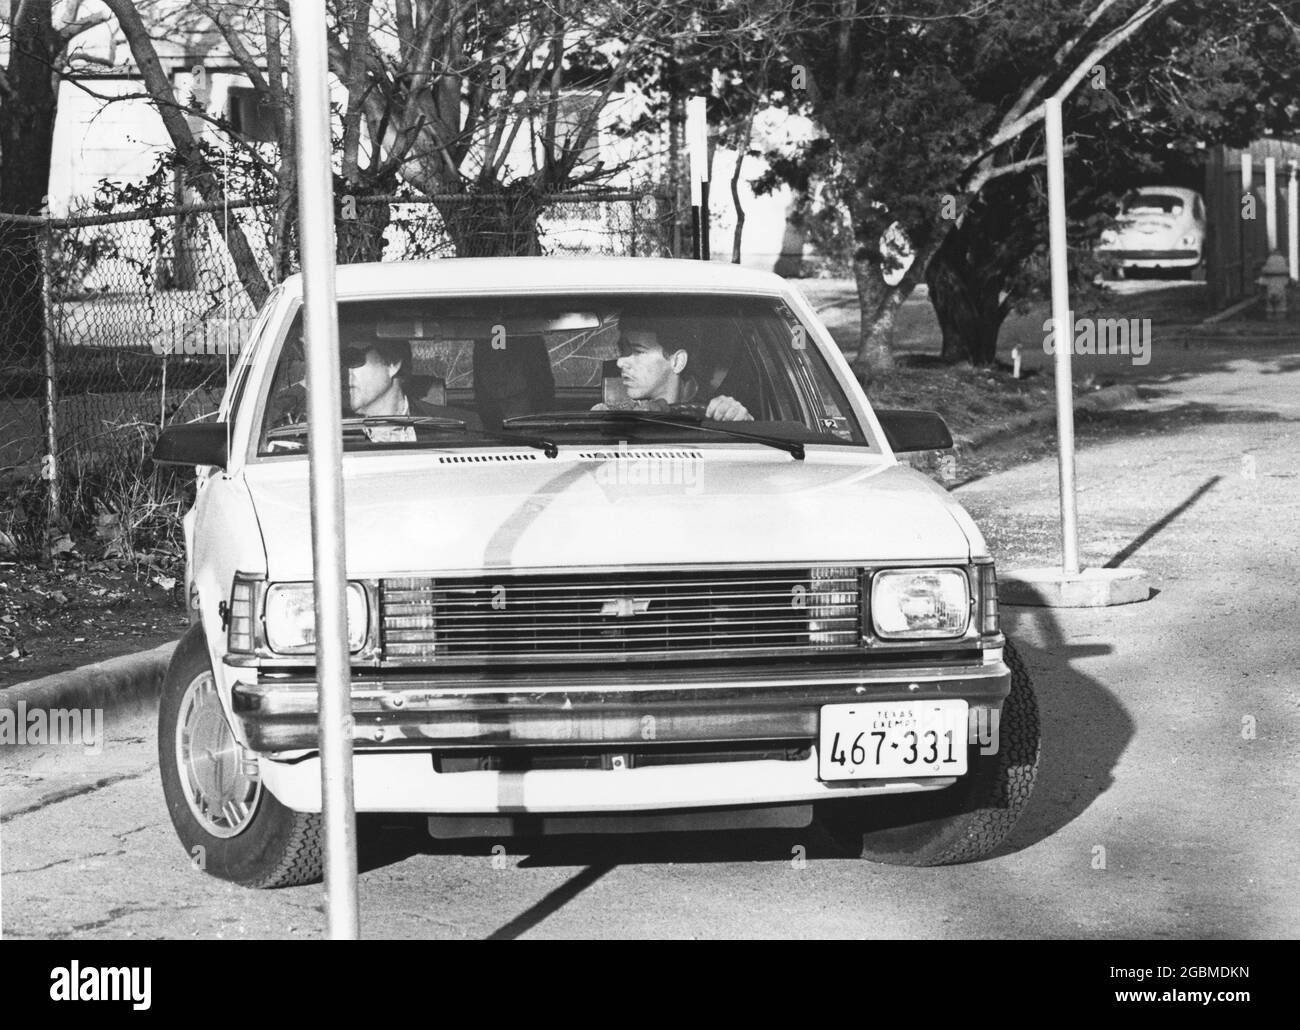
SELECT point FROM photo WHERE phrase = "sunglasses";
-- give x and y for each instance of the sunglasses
(353, 357)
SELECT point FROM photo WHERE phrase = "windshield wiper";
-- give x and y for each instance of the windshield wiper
(794, 448)
(549, 447)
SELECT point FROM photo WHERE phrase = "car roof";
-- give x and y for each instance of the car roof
(542, 275)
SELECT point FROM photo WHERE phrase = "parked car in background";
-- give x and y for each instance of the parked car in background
(1158, 228)
(631, 552)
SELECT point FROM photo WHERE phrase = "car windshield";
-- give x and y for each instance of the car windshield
(1163, 203)
(568, 369)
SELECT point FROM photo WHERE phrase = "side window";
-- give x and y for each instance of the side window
(230, 401)
(833, 417)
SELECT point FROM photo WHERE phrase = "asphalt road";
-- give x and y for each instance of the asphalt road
(1166, 805)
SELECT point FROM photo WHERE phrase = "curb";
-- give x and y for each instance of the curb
(119, 685)
(1098, 400)
(1228, 312)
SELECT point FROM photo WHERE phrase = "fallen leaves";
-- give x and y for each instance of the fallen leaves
(55, 615)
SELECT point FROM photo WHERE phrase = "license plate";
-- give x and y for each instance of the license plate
(892, 739)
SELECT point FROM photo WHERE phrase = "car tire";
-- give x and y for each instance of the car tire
(963, 822)
(229, 825)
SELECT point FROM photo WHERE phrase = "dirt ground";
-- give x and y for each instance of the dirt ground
(77, 611)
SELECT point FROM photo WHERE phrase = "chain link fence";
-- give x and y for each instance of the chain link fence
(114, 324)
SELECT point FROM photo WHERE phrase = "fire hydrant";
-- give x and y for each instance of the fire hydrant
(1274, 277)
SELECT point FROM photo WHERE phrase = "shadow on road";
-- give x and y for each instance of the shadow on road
(1146, 535)
(550, 904)
(1084, 727)
(384, 840)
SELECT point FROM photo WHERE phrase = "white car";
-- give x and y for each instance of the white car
(1159, 227)
(628, 551)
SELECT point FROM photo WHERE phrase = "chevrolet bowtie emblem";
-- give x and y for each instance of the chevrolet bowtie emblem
(625, 607)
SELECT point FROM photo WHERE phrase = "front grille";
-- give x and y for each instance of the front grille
(623, 616)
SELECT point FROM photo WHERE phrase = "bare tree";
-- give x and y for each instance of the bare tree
(199, 173)
(39, 54)
(451, 91)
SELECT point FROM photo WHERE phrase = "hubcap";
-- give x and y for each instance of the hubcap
(213, 765)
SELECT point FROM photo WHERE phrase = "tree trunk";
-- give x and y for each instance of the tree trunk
(494, 226)
(200, 174)
(26, 135)
(877, 304)
(284, 232)
(965, 292)
(359, 233)
(738, 236)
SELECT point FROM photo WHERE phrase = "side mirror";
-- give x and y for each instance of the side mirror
(911, 430)
(196, 443)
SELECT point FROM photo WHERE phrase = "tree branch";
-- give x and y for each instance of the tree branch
(201, 176)
(358, 43)
(1031, 91)
(1104, 46)
(240, 52)
(984, 177)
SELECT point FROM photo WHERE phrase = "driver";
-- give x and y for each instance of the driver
(655, 377)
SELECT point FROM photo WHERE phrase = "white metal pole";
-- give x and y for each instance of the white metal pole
(1063, 334)
(697, 148)
(1292, 229)
(325, 455)
(1247, 173)
(1270, 202)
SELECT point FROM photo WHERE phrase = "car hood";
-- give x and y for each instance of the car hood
(466, 512)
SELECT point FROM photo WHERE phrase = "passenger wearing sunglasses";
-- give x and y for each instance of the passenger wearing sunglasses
(375, 372)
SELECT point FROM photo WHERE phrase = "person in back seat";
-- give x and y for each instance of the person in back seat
(514, 379)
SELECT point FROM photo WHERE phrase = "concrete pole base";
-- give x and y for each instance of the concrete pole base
(1050, 587)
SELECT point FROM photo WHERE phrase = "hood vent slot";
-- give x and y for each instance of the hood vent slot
(477, 459)
(643, 454)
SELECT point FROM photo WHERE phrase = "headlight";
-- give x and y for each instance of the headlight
(916, 603)
(291, 618)
(1108, 237)
(1189, 240)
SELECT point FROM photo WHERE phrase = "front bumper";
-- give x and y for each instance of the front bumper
(1184, 258)
(407, 726)
(619, 707)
